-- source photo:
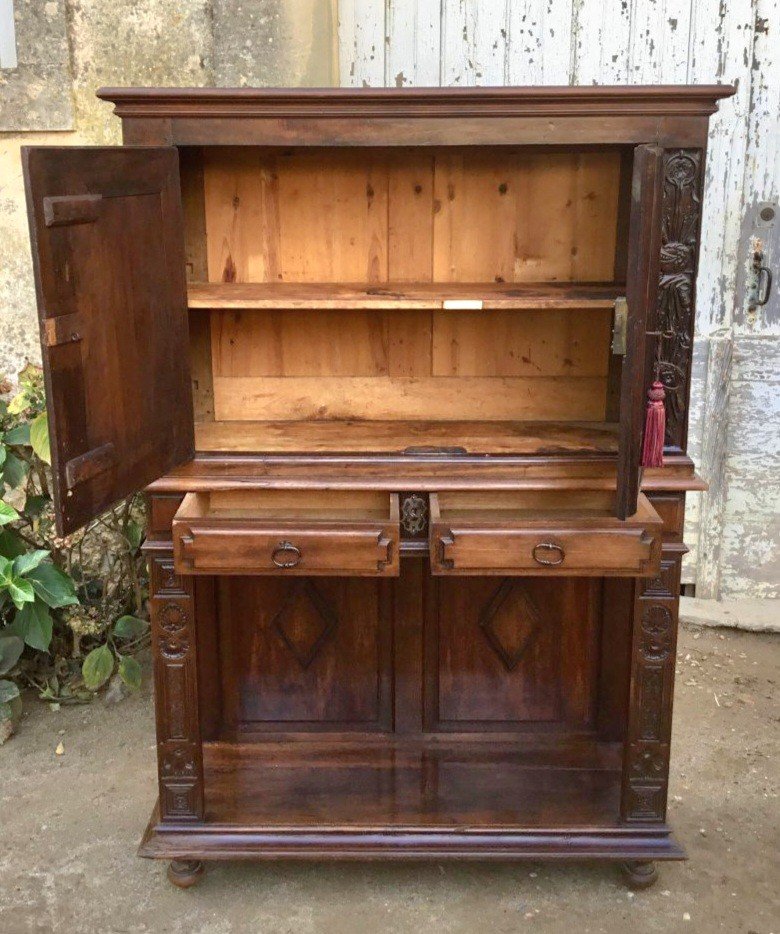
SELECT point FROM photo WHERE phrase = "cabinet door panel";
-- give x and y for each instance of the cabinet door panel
(305, 653)
(644, 248)
(511, 654)
(108, 253)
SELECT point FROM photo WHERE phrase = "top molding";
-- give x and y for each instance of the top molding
(392, 103)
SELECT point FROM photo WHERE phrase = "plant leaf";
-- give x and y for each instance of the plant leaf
(19, 403)
(8, 691)
(20, 591)
(11, 648)
(3, 454)
(52, 586)
(97, 667)
(130, 627)
(130, 672)
(15, 471)
(135, 534)
(11, 546)
(7, 513)
(26, 562)
(34, 624)
(19, 434)
(39, 437)
(34, 505)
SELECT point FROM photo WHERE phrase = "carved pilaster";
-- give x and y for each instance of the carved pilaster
(179, 762)
(680, 223)
(646, 763)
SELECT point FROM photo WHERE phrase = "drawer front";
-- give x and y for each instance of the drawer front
(629, 552)
(260, 548)
(671, 508)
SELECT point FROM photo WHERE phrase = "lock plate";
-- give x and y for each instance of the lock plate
(758, 295)
(620, 327)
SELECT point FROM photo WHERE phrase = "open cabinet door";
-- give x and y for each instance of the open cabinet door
(644, 250)
(108, 252)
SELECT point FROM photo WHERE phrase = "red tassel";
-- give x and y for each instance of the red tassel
(655, 427)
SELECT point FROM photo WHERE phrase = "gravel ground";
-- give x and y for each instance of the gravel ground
(70, 825)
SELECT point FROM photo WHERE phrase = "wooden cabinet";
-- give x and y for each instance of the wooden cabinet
(381, 360)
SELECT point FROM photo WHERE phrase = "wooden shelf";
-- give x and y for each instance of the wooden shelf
(398, 296)
(392, 782)
(362, 437)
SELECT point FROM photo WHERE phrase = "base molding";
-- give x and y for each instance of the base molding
(194, 841)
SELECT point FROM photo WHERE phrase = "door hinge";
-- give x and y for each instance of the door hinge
(620, 327)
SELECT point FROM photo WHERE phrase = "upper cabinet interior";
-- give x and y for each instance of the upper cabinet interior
(386, 300)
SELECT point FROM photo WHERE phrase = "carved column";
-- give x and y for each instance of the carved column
(179, 760)
(675, 313)
(646, 763)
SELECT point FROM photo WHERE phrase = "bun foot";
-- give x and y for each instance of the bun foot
(639, 875)
(185, 872)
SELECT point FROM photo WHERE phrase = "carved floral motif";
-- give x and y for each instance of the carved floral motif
(648, 761)
(174, 638)
(179, 752)
(681, 215)
(170, 580)
(178, 762)
(647, 754)
(656, 632)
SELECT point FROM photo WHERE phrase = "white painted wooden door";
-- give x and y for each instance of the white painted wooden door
(737, 360)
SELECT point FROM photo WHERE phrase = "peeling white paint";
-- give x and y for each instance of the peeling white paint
(733, 529)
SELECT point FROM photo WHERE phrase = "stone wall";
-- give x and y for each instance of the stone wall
(68, 48)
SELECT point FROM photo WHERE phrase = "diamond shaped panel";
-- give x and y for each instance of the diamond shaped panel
(305, 621)
(510, 621)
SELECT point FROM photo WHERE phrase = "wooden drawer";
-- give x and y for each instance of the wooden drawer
(569, 533)
(307, 532)
(671, 510)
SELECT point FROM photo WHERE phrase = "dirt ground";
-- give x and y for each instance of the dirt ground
(70, 824)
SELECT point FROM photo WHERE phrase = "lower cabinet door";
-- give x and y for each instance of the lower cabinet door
(304, 654)
(288, 533)
(512, 653)
(563, 533)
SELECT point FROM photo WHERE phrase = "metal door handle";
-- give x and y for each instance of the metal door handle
(765, 280)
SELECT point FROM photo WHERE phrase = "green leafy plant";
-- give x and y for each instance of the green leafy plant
(71, 610)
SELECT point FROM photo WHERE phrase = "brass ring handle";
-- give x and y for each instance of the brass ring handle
(551, 547)
(286, 548)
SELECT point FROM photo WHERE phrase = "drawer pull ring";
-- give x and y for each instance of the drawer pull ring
(553, 549)
(286, 555)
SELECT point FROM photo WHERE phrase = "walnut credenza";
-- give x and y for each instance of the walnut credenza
(381, 360)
